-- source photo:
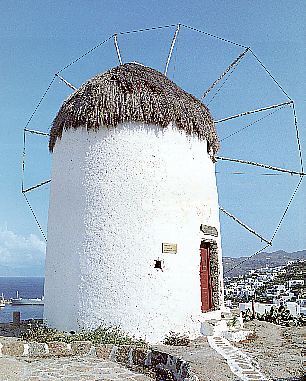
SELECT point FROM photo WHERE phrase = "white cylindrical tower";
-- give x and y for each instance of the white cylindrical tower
(133, 229)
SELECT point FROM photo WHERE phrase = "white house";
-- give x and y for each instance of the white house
(133, 227)
(295, 282)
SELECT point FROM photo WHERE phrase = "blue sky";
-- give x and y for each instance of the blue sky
(39, 38)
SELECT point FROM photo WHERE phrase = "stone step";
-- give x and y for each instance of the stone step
(240, 364)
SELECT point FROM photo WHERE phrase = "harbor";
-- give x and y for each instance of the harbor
(29, 308)
(19, 301)
(4, 302)
(23, 295)
(27, 312)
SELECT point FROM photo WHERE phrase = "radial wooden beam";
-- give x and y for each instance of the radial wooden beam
(245, 226)
(254, 111)
(171, 48)
(261, 165)
(117, 48)
(36, 132)
(232, 65)
(66, 82)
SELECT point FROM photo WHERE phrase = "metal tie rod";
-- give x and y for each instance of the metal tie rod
(245, 226)
(254, 111)
(35, 217)
(247, 259)
(35, 186)
(261, 165)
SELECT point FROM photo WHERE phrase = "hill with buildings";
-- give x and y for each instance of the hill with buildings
(243, 265)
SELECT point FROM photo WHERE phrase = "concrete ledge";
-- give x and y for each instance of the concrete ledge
(139, 356)
(166, 367)
(236, 336)
(37, 350)
(123, 354)
(104, 351)
(15, 348)
(59, 349)
(81, 348)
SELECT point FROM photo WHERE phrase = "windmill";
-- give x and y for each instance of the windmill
(130, 88)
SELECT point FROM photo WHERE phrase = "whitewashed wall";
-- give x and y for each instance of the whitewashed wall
(116, 195)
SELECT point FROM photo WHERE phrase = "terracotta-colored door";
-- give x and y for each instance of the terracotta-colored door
(205, 281)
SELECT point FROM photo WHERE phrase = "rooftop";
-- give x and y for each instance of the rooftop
(134, 93)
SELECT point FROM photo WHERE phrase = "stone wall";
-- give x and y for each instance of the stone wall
(163, 366)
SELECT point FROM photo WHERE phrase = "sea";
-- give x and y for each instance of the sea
(27, 287)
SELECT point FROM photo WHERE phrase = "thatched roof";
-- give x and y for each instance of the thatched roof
(134, 93)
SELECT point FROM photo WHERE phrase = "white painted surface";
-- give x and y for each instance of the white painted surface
(236, 336)
(296, 282)
(294, 308)
(243, 366)
(116, 195)
(260, 308)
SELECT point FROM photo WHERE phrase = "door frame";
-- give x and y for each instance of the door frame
(214, 282)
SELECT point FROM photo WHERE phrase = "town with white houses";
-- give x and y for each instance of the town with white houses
(268, 287)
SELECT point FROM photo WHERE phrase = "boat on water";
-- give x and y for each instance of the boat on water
(27, 301)
(2, 301)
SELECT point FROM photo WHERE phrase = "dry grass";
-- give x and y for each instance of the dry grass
(134, 93)
(40, 333)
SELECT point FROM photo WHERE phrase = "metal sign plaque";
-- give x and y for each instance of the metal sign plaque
(209, 230)
(169, 248)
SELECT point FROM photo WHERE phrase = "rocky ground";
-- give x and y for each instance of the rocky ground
(65, 369)
(205, 362)
(279, 351)
(12, 330)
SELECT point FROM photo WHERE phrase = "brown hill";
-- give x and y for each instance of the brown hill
(242, 265)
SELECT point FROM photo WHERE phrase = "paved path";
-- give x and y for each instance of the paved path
(240, 364)
(65, 369)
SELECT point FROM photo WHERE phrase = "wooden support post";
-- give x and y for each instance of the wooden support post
(16, 317)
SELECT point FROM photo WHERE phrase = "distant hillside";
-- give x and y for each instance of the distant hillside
(278, 258)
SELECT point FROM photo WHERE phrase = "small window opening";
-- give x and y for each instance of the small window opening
(158, 264)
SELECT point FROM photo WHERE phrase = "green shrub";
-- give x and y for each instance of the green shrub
(280, 316)
(101, 335)
(176, 339)
(233, 322)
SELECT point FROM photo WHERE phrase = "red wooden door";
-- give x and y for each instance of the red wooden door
(205, 280)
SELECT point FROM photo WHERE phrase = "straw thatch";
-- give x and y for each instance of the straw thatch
(134, 93)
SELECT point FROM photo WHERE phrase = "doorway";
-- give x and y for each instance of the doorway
(205, 277)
